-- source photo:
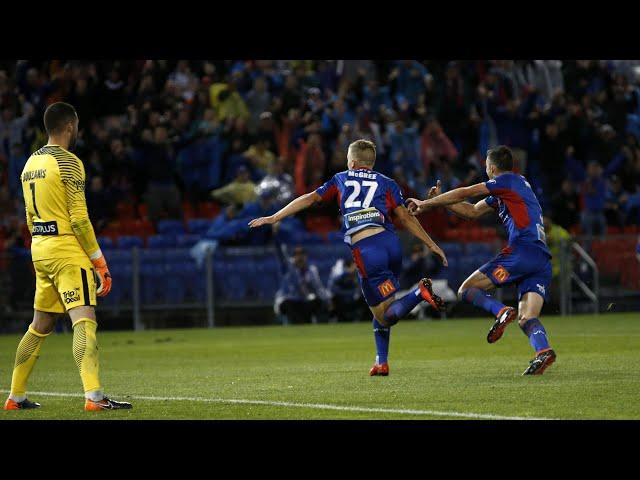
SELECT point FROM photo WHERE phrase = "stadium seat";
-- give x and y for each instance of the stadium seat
(198, 226)
(106, 243)
(125, 210)
(480, 249)
(306, 238)
(161, 241)
(130, 241)
(208, 209)
(138, 227)
(335, 237)
(143, 210)
(187, 240)
(173, 227)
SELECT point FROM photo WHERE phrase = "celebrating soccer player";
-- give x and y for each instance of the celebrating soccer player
(66, 257)
(526, 261)
(367, 199)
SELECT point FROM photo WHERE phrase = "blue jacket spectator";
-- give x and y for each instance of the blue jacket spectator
(411, 79)
(347, 304)
(593, 219)
(301, 296)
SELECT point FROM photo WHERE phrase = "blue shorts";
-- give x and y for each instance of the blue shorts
(528, 267)
(379, 262)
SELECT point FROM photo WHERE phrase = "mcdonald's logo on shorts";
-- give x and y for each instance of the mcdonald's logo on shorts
(386, 288)
(500, 274)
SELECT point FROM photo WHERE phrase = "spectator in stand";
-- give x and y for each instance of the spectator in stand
(119, 166)
(434, 144)
(376, 96)
(8, 210)
(258, 101)
(277, 180)
(346, 296)
(113, 94)
(231, 104)
(411, 79)
(552, 156)
(291, 96)
(17, 161)
(403, 147)
(559, 115)
(12, 127)
(260, 155)
(162, 194)
(100, 203)
(566, 205)
(616, 202)
(594, 190)
(421, 263)
(555, 236)
(447, 178)
(310, 164)
(241, 191)
(301, 295)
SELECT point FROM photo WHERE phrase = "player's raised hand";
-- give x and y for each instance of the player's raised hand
(414, 206)
(258, 222)
(435, 191)
(440, 254)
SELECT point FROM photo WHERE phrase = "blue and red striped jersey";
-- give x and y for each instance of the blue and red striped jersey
(518, 208)
(366, 199)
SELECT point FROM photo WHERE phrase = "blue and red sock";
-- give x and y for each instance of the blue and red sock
(382, 335)
(482, 299)
(401, 307)
(397, 310)
(537, 334)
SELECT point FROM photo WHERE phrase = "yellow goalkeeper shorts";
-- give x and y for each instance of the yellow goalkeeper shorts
(63, 284)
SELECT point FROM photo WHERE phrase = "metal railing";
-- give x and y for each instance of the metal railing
(166, 285)
(569, 277)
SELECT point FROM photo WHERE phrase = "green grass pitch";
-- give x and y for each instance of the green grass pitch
(439, 370)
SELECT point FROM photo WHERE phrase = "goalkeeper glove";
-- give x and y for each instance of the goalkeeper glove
(103, 277)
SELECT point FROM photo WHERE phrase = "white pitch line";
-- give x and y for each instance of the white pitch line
(315, 406)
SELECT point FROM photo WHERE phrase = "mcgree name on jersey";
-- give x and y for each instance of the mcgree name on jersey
(360, 174)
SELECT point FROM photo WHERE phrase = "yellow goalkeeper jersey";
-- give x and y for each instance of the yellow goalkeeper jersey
(53, 183)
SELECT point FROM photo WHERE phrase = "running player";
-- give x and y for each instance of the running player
(367, 199)
(526, 261)
(66, 258)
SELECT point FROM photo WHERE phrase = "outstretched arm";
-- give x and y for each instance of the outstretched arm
(411, 223)
(295, 206)
(470, 211)
(465, 210)
(454, 196)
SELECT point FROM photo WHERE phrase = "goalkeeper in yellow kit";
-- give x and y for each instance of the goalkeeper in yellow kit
(69, 266)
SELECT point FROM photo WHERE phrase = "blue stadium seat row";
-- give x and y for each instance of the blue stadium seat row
(170, 275)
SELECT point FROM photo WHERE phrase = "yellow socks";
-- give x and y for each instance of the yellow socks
(26, 356)
(85, 352)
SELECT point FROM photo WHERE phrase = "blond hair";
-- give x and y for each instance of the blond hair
(363, 152)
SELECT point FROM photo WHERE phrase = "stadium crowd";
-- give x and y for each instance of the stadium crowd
(235, 139)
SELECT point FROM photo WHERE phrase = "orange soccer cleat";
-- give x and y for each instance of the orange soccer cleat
(23, 405)
(538, 365)
(105, 404)
(427, 294)
(379, 370)
(504, 318)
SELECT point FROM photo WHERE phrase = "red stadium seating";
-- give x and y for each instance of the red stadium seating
(321, 224)
(125, 210)
(143, 212)
(208, 209)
